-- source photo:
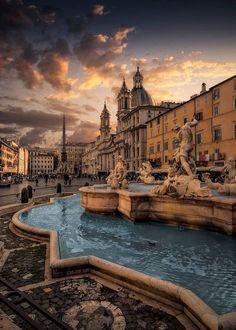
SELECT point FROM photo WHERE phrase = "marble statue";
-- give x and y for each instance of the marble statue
(145, 173)
(181, 181)
(230, 171)
(116, 179)
(183, 159)
(229, 185)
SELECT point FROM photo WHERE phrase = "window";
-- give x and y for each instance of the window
(158, 121)
(158, 131)
(166, 145)
(165, 117)
(137, 152)
(216, 134)
(216, 94)
(185, 120)
(199, 138)
(151, 150)
(151, 124)
(199, 116)
(166, 128)
(159, 146)
(234, 130)
(234, 103)
(174, 113)
(166, 159)
(216, 110)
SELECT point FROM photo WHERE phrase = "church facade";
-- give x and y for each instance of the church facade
(134, 108)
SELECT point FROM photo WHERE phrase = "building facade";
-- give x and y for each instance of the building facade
(134, 109)
(9, 155)
(13, 157)
(23, 160)
(74, 153)
(40, 162)
(215, 134)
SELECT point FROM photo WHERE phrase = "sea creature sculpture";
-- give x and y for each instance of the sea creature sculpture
(145, 173)
(116, 179)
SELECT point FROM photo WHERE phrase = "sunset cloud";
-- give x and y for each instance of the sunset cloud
(96, 50)
(86, 131)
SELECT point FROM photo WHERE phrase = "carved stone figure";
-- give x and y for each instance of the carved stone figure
(183, 159)
(181, 186)
(116, 179)
(230, 171)
(225, 188)
(145, 173)
(180, 181)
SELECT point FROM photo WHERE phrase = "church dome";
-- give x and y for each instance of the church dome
(139, 95)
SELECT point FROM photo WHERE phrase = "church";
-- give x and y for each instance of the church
(134, 108)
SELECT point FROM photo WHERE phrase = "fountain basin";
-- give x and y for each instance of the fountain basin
(98, 240)
(213, 213)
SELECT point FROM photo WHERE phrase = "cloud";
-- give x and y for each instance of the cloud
(8, 130)
(68, 107)
(13, 16)
(89, 108)
(86, 131)
(34, 118)
(28, 74)
(176, 73)
(96, 50)
(138, 61)
(55, 64)
(32, 137)
(98, 53)
(78, 24)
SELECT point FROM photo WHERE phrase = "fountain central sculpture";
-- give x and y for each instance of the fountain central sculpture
(181, 181)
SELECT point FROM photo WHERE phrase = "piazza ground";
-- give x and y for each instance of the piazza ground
(80, 302)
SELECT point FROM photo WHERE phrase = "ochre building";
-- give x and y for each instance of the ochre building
(215, 134)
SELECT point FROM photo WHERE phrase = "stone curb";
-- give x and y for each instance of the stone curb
(175, 296)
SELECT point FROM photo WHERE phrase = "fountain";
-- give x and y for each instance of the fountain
(142, 259)
(180, 199)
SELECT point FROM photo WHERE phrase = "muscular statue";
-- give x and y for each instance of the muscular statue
(181, 182)
(184, 141)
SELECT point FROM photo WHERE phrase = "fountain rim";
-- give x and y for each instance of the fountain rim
(191, 305)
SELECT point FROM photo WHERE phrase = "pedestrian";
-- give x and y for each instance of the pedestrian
(70, 179)
(46, 179)
(36, 181)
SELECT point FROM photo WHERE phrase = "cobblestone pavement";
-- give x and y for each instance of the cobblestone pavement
(82, 303)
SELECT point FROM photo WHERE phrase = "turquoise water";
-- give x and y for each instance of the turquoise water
(202, 261)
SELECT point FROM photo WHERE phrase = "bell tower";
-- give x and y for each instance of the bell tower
(124, 103)
(105, 128)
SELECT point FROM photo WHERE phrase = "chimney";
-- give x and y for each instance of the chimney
(203, 88)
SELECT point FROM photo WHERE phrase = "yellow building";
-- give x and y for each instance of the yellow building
(215, 134)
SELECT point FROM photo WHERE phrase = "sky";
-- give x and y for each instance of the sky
(72, 55)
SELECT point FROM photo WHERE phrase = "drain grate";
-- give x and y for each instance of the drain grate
(24, 307)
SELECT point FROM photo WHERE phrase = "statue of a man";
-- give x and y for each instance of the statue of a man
(184, 138)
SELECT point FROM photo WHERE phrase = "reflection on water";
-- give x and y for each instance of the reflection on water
(204, 262)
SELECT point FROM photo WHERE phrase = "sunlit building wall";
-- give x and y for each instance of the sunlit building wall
(215, 134)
